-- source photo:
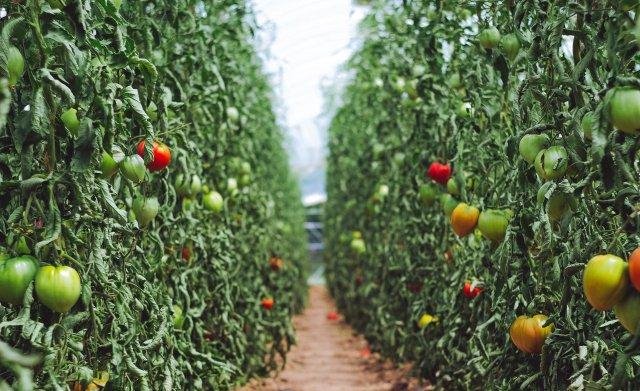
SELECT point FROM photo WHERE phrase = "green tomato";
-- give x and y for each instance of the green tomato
(510, 46)
(108, 165)
(356, 235)
(558, 205)
(399, 84)
(233, 114)
(489, 37)
(531, 144)
(178, 317)
(213, 201)
(145, 209)
(15, 276)
(58, 287)
(232, 185)
(245, 180)
(427, 194)
(625, 110)
(628, 311)
(358, 246)
(551, 163)
(588, 124)
(448, 203)
(452, 187)
(464, 110)
(70, 120)
(493, 224)
(133, 168)
(15, 65)
(245, 168)
(454, 81)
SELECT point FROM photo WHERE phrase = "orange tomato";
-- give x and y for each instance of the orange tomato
(634, 268)
(464, 219)
(528, 334)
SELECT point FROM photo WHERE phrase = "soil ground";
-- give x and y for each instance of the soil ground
(330, 357)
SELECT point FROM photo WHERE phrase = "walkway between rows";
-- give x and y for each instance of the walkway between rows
(330, 357)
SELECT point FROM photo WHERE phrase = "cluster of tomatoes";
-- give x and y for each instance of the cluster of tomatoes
(609, 282)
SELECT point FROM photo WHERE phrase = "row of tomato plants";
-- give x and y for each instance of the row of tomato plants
(482, 187)
(151, 231)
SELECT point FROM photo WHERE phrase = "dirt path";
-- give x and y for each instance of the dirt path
(329, 357)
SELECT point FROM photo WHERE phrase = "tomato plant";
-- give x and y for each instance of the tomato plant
(529, 333)
(605, 281)
(161, 155)
(58, 287)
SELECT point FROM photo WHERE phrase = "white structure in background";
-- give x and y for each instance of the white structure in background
(304, 42)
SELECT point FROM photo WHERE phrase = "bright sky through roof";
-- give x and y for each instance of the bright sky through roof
(307, 40)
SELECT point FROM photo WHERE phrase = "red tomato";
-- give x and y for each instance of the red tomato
(332, 315)
(161, 155)
(267, 303)
(186, 253)
(471, 292)
(439, 172)
(634, 268)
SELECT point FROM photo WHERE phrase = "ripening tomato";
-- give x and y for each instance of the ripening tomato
(528, 333)
(358, 246)
(439, 172)
(471, 291)
(213, 201)
(276, 263)
(464, 219)
(427, 194)
(628, 311)
(510, 46)
(15, 65)
(332, 315)
(15, 276)
(133, 168)
(145, 209)
(493, 224)
(185, 253)
(58, 287)
(625, 109)
(551, 163)
(531, 144)
(634, 268)
(489, 37)
(605, 281)
(161, 155)
(267, 303)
